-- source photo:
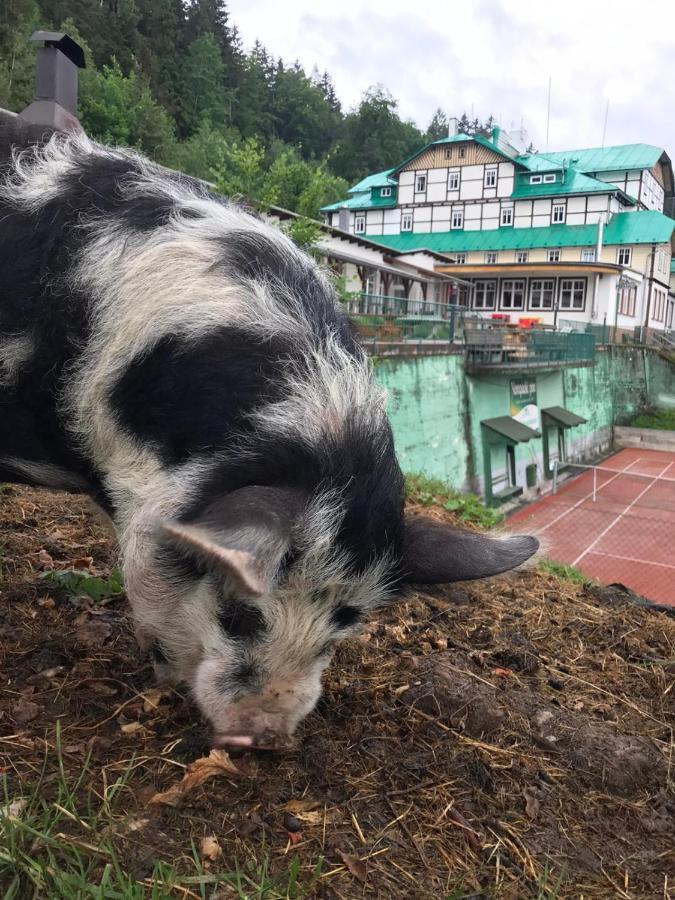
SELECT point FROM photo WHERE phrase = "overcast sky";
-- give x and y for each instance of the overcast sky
(491, 56)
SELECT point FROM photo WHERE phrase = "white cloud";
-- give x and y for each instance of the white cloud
(490, 57)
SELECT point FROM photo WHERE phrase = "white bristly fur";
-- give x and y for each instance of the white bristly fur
(15, 351)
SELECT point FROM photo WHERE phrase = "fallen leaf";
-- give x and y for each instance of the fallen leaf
(82, 562)
(45, 560)
(47, 603)
(355, 866)
(310, 812)
(131, 727)
(93, 632)
(25, 711)
(151, 699)
(14, 809)
(210, 848)
(532, 804)
(294, 837)
(503, 672)
(101, 688)
(216, 763)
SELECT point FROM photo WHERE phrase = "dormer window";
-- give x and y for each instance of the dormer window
(385, 192)
(462, 152)
(535, 179)
(549, 179)
(448, 153)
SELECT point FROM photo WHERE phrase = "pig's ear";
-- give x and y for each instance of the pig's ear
(244, 535)
(435, 552)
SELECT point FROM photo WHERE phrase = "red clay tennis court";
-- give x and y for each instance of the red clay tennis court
(616, 523)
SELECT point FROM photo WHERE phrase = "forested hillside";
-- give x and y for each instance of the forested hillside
(172, 78)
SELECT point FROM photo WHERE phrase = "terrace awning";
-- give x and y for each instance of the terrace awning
(561, 416)
(510, 429)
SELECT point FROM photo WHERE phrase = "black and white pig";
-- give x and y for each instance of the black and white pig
(185, 364)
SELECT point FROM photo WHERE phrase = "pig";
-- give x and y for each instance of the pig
(186, 365)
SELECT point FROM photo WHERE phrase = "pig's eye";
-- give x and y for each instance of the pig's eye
(345, 616)
(240, 620)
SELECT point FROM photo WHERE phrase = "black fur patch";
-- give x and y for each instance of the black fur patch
(241, 620)
(345, 616)
(186, 398)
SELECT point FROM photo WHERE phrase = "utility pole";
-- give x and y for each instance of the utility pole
(645, 327)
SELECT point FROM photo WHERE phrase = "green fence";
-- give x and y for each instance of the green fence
(400, 324)
(501, 348)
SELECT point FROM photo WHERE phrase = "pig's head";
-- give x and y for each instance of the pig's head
(250, 596)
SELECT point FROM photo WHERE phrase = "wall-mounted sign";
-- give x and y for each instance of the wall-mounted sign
(524, 402)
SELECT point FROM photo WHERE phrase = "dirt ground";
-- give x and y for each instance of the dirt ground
(512, 738)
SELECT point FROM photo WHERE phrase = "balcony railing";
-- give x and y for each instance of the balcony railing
(398, 325)
(527, 349)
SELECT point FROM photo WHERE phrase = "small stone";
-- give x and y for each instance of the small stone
(556, 684)
(291, 823)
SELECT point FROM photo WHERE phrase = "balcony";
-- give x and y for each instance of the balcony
(501, 349)
(398, 326)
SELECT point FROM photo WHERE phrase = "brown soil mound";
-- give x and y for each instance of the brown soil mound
(511, 738)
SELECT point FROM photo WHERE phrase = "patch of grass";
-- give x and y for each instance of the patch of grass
(64, 848)
(655, 418)
(467, 507)
(76, 583)
(565, 573)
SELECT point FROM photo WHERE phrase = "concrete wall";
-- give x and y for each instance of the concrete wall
(436, 410)
(428, 413)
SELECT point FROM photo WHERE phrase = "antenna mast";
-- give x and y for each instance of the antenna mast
(604, 127)
(548, 111)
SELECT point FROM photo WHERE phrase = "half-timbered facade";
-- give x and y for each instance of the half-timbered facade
(567, 238)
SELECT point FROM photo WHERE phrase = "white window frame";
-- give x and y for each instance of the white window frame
(522, 256)
(452, 177)
(385, 192)
(535, 179)
(457, 219)
(420, 179)
(511, 286)
(506, 216)
(485, 286)
(460, 259)
(490, 177)
(553, 255)
(539, 285)
(549, 179)
(624, 256)
(359, 224)
(576, 285)
(560, 219)
(588, 255)
(406, 221)
(491, 257)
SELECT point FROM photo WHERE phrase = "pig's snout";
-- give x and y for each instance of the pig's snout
(263, 717)
(266, 740)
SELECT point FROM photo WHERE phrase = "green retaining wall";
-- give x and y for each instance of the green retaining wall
(428, 413)
(436, 410)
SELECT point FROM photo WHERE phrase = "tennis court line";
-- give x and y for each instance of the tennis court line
(621, 515)
(584, 499)
(643, 562)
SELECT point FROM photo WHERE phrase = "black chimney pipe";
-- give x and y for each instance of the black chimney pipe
(58, 59)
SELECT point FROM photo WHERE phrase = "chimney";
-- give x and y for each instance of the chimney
(496, 132)
(55, 104)
(452, 126)
(343, 218)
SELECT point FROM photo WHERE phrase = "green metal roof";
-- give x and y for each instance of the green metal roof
(574, 183)
(643, 227)
(672, 265)
(608, 159)
(563, 416)
(511, 429)
(379, 179)
(363, 200)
